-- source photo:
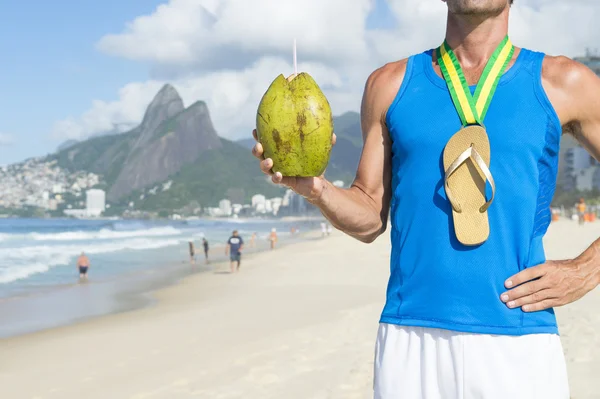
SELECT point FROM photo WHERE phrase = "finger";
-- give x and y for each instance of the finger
(525, 275)
(255, 135)
(266, 166)
(536, 297)
(257, 151)
(333, 139)
(287, 181)
(543, 305)
(525, 289)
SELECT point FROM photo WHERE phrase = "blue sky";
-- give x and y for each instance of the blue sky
(51, 68)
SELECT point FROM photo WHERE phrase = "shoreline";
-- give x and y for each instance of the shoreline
(63, 305)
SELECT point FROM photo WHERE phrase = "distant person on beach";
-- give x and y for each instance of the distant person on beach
(581, 207)
(329, 230)
(273, 238)
(469, 305)
(234, 249)
(205, 245)
(83, 264)
(323, 229)
(192, 253)
(253, 240)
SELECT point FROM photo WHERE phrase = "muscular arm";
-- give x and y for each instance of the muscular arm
(574, 91)
(580, 116)
(361, 211)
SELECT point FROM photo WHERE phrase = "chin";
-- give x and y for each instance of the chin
(476, 7)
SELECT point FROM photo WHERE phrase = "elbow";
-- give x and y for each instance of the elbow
(370, 237)
(367, 239)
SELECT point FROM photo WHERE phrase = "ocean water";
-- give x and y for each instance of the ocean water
(39, 254)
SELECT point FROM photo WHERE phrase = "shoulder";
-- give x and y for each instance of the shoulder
(382, 86)
(387, 78)
(571, 86)
(564, 72)
(390, 72)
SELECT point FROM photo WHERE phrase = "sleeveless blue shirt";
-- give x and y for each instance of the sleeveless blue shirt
(435, 281)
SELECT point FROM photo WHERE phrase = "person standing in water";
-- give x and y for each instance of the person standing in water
(234, 249)
(192, 253)
(83, 264)
(205, 245)
(273, 238)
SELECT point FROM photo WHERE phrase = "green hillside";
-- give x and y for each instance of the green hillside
(209, 179)
(102, 155)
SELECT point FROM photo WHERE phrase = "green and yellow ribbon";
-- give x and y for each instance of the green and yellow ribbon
(473, 108)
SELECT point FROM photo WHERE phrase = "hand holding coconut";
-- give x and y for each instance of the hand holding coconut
(295, 133)
(308, 187)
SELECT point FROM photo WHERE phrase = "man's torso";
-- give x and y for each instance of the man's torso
(234, 244)
(436, 282)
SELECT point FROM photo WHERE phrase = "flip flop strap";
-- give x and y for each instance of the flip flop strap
(462, 158)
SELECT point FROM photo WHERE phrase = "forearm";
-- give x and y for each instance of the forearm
(589, 262)
(352, 211)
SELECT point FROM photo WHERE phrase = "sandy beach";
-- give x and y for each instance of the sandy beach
(297, 322)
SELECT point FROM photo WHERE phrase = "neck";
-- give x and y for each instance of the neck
(474, 38)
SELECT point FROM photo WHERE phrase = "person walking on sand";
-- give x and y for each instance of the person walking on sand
(205, 245)
(234, 250)
(273, 238)
(469, 304)
(253, 240)
(581, 207)
(192, 253)
(83, 265)
(323, 229)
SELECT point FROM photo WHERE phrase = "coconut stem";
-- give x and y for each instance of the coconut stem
(291, 77)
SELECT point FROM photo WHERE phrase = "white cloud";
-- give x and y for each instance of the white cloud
(120, 115)
(226, 52)
(195, 31)
(6, 139)
(556, 27)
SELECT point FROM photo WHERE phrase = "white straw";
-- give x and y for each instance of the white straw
(295, 62)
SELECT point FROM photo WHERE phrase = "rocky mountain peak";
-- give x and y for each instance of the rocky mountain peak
(166, 104)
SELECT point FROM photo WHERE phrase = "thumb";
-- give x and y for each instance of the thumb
(287, 181)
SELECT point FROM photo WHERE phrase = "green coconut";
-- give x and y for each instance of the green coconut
(295, 126)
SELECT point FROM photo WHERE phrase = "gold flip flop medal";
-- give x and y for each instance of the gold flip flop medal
(464, 182)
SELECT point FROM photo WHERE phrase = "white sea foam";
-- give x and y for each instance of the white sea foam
(21, 262)
(104, 234)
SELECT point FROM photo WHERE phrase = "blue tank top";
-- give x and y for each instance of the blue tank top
(435, 281)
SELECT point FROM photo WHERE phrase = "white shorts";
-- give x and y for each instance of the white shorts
(427, 363)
